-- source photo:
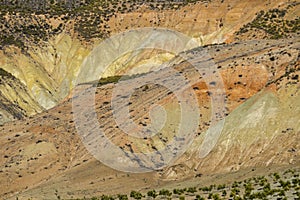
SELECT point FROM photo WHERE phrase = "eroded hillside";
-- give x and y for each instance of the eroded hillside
(44, 153)
(253, 50)
(44, 44)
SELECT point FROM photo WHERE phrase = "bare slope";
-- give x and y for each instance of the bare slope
(44, 45)
(42, 154)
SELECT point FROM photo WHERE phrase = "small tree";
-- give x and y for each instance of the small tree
(136, 195)
(198, 197)
(105, 197)
(220, 187)
(192, 190)
(122, 197)
(216, 197)
(152, 193)
(181, 198)
(276, 176)
(224, 193)
(178, 191)
(165, 192)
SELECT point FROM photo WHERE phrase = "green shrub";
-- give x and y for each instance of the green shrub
(178, 191)
(5, 73)
(165, 192)
(216, 197)
(276, 176)
(181, 198)
(220, 187)
(198, 197)
(105, 197)
(224, 193)
(152, 193)
(122, 197)
(192, 190)
(136, 195)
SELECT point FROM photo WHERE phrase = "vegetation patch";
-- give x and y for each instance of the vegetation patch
(25, 22)
(5, 73)
(283, 185)
(273, 23)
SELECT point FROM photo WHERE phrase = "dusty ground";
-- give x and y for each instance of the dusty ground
(43, 154)
(53, 58)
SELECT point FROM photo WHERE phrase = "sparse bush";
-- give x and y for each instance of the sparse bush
(276, 176)
(165, 192)
(136, 195)
(198, 197)
(192, 190)
(220, 187)
(105, 197)
(178, 191)
(224, 193)
(5, 73)
(122, 197)
(216, 197)
(152, 193)
(181, 198)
